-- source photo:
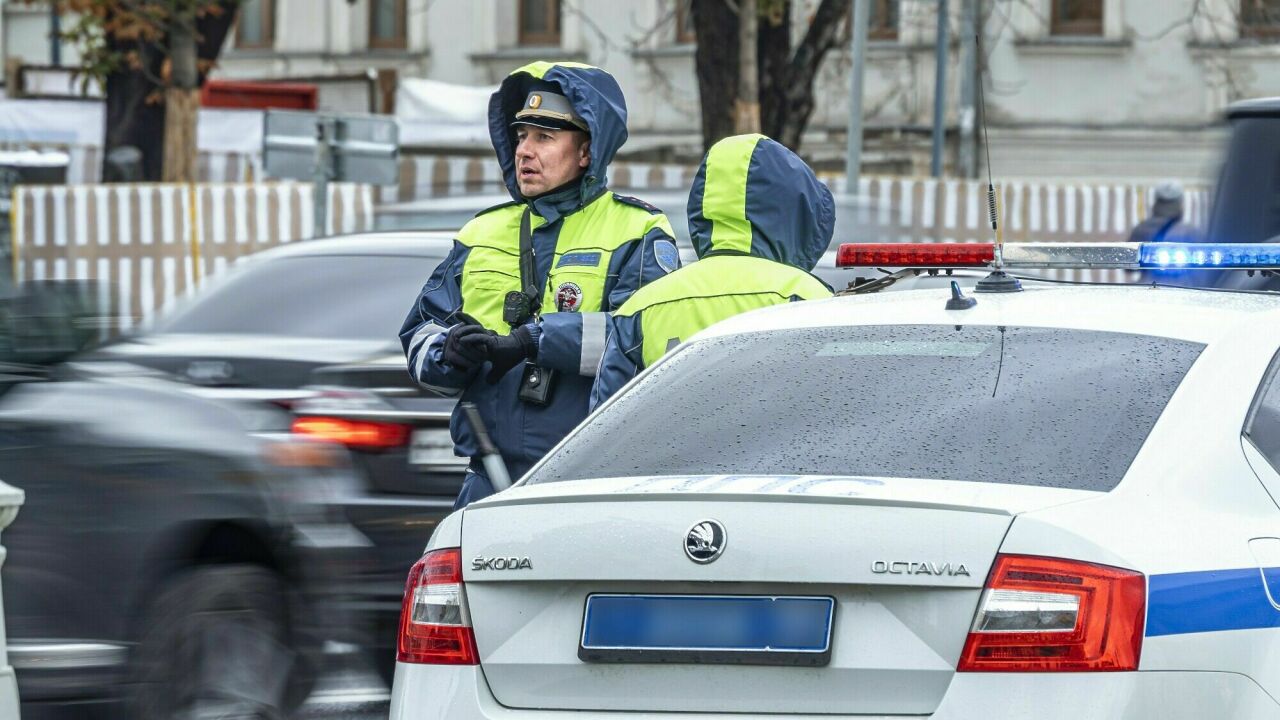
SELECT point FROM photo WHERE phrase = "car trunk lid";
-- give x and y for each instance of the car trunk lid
(903, 560)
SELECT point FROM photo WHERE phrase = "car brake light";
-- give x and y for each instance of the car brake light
(434, 628)
(353, 433)
(1046, 614)
(915, 254)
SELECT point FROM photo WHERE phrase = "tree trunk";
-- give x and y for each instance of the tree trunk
(131, 121)
(132, 118)
(716, 62)
(746, 107)
(212, 29)
(182, 100)
(796, 100)
(784, 81)
(773, 51)
(135, 109)
(182, 106)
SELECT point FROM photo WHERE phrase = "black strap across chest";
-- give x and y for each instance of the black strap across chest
(528, 271)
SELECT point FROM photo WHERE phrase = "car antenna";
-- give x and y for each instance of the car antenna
(998, 281)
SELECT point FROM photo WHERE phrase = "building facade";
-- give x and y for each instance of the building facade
(1113, 89)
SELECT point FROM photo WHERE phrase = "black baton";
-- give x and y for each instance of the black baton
(489, 455)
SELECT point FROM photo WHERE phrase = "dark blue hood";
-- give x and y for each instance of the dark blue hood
(596, 98)
(753, 195)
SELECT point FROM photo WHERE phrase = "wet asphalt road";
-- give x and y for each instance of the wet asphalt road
(343, 709)
(352, 694)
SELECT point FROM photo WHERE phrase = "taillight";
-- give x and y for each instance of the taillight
(434, 629)
(353, 433)
(1046, 614)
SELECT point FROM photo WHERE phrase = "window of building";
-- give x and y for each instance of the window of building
(539, 22)
(387, 23)
(883, 19)
(256, 26)
(1076, 17)
(684, 22)
(1260, 18)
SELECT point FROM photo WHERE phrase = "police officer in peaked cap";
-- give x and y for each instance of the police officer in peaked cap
(525, 294)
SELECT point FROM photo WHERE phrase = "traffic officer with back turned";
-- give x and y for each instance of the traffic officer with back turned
(525, 293)
(760, 220)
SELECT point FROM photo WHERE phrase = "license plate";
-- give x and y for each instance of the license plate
(432, 448)
(731, 629)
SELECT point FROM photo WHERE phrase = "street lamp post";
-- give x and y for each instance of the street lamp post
(940, 93)
(858, 54)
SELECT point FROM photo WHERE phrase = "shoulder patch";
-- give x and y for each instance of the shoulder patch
(637, 202)
(499, 206)
(668, 257)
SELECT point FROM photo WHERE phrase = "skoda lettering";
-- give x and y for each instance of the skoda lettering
(501, 563)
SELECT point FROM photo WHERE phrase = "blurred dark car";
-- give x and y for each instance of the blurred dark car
(313, 326)
(258, 330)
(174, 557)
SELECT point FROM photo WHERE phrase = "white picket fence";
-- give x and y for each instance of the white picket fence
(148, 245)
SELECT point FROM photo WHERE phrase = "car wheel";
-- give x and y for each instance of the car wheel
(215, 644)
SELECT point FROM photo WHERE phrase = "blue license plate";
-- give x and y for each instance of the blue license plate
(737, 629)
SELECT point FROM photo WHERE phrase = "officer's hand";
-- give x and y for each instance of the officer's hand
(506, 351)
(464, 346)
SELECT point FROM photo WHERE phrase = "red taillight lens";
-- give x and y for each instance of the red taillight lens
(353, 433)
(434, 629)
(1045, 615)
(924, 255)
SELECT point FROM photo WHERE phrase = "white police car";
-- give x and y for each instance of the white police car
(1056, 503)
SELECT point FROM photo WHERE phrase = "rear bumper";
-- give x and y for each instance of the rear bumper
(461, 693)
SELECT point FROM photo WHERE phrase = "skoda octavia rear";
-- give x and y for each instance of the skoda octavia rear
(920, 519)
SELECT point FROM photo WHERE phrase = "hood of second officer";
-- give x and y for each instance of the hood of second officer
(753, 195)
(596, 98)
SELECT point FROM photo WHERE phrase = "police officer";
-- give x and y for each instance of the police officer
(1165, 223)
(525, 293)
(759, 220)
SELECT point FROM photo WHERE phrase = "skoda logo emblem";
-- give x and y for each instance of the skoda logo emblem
(705, 541)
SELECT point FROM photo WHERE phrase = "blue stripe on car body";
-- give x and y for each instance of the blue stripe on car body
(1211, 601)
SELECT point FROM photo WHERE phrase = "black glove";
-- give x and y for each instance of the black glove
(506, 351)
(464, 346)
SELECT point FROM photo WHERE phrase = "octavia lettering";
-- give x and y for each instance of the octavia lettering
(501, 563)
(903, 567)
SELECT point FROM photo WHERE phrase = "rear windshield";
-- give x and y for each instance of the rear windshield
(1029, 406)
(320, 296)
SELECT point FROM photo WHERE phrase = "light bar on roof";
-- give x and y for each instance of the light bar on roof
(915, 254)
(1102, 256)
(1248, 256)
(1118, 256)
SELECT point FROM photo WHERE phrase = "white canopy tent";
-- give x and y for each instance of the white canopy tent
(443, 115)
